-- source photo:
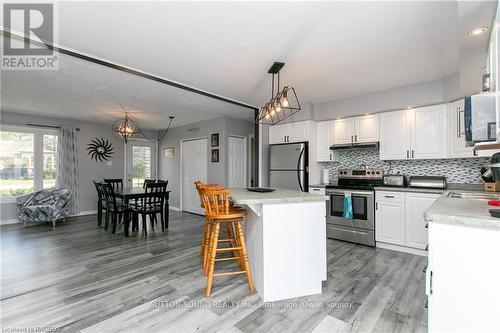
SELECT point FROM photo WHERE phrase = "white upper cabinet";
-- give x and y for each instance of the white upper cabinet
(324, 130)
(299, 131)
(290, 132)
(394, 135)
(429, 132)
(356, 130)
(367, 128)
(419, 133)
(343, 131)
(278, 133)
(456, 131)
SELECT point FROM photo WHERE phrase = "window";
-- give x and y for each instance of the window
(141, 165)
(28, 160)
(49, 160)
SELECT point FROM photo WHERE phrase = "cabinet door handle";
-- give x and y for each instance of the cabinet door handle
(389, 196)
(427, 247)
(376, 205)
(407, 154)
(330, 157)
(316, 189)
(459, 129)
(356, 138)
(412, 154)
(427, 226)
(352, 138)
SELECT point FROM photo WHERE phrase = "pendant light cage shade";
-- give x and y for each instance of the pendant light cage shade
(280, 107)
(126, 127)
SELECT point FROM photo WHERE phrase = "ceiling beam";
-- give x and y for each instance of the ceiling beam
(123, 68)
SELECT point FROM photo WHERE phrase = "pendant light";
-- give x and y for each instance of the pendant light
(128, 127)
(281, 106)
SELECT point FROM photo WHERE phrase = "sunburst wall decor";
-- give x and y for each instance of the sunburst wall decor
(100, 149)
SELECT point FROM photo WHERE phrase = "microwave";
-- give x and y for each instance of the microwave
(480, 118)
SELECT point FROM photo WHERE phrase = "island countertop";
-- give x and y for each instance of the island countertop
(242, 196)
(461, 211)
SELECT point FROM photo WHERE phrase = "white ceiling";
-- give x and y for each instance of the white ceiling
(331, 50)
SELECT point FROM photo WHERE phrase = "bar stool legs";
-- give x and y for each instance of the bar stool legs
(243, 256)
(237, 247)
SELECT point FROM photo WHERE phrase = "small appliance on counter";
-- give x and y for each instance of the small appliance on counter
(397, 180)
(437, 182)
(491, 176)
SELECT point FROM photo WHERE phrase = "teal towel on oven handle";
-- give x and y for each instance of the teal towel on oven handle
(347, 213)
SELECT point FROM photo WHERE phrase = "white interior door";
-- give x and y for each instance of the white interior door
(140, 162)
(237, 161)
(194, 167)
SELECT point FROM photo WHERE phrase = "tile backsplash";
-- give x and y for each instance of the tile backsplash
(457, 170)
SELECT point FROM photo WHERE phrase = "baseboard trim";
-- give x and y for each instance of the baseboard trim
(85, 212)
(401, 249)
(9, 221)
(14, 221)
(177, 209)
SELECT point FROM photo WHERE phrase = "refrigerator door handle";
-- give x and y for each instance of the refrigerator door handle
(298, 169)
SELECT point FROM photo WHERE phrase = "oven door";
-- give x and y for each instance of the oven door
(363, 209)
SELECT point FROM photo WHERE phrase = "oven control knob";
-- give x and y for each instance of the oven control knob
(378, 172)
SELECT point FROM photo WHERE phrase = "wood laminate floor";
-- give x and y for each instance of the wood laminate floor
(80, 278)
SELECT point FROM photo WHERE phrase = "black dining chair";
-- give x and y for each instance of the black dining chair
(101, 202)
(114, 208)
(151, 205)
(148, 181)
(116, 183)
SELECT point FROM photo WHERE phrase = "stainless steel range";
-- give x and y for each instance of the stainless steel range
(361, 227)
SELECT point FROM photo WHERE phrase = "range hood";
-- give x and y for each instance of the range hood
(364, 145)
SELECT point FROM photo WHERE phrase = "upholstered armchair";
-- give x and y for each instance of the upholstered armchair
(48, 205)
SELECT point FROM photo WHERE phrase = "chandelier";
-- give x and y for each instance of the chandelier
(128, 127)
(281, 106)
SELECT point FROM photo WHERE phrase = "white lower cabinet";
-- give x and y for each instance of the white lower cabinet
(390, 218)
(399, 218)
(415, 206)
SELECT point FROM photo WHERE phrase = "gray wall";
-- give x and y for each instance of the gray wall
(169, 167)
(88, 169)
(391, 99)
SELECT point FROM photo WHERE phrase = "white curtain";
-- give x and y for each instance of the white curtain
(67, 159)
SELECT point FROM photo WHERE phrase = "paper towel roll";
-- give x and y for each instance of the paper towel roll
(326, 176)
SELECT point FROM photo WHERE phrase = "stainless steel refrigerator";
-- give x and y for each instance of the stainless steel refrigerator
(289, 166)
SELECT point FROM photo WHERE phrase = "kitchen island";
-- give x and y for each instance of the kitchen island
(285, 234)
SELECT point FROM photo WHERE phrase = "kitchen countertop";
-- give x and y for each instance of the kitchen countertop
(243, 197)
(462, 211)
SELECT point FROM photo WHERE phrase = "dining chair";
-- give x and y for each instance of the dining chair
(116, 183)
(148, 181)
(115, 209)
(152, 204)
(101, 202)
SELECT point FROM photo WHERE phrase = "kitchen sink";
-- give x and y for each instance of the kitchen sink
(474, 196)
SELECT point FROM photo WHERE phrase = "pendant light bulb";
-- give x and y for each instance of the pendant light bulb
(284, 101)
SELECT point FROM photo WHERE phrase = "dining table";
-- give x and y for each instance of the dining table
(132, 193)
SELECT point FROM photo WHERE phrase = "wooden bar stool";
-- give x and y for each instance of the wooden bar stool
(217, 210)
(231, 233)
